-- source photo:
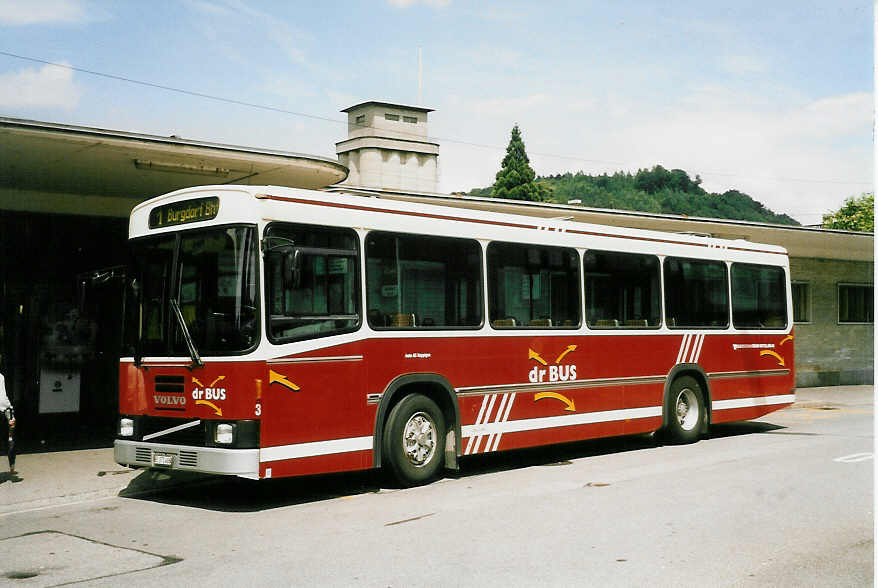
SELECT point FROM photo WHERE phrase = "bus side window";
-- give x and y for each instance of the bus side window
(759, 298)
(622, 290)
(420, 282)
(323, 298)
(533, 286)
(696, 293)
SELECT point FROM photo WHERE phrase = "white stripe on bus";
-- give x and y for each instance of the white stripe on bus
(683, 345)
(315, 448)
(700, 344)
(584, 418)
(469, 445)
(751, 402)
(487, 418)
(498, 427)
(505, 418)
(171, 430)
(490, 440)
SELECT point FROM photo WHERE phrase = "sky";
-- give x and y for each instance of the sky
(771, 98)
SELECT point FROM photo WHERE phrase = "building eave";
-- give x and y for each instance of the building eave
(388, 105)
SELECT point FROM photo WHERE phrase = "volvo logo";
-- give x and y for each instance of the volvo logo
(169, 401)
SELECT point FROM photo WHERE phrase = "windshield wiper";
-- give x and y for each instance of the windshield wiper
(193, 352)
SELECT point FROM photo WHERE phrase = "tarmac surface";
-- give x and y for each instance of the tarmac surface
(46, 480)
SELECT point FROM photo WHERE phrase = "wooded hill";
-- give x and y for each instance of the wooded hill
(655, 190)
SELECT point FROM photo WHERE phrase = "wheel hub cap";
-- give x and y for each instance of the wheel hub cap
(419, 439)
(687, 409)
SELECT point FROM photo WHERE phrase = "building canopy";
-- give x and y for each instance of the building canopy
(54, 168)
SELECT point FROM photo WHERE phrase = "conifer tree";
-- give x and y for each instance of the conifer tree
(516, 178)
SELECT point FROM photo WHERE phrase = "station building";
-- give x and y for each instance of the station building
(65, 196)
(66, 192)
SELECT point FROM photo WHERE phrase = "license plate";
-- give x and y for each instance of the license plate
(163, 459)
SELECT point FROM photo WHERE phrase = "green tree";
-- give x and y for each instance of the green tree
(856, 214)
(516, 179)
(651, 190)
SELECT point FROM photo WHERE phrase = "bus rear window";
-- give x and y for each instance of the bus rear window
(759, 298)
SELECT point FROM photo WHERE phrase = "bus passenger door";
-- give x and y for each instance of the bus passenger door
(314, 414)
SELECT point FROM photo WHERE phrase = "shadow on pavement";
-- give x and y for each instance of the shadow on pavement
(7, 477)
(228, 494)
(720, 430)
(552, 455)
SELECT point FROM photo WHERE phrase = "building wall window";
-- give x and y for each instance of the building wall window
(856, 303)
(388, 116)
(801, 302)
(410, 119)
(361, 120)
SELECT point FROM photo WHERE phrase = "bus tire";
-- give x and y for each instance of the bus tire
(413, 443)
(686, 412)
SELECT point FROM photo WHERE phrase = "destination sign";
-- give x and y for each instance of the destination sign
(187, 211)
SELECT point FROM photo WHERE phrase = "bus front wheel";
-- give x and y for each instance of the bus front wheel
(414, 440)
(685, 410)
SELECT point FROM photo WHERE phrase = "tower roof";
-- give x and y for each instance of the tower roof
(390, 104)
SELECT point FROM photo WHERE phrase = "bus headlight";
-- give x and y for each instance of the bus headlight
(224, 434)
(126, 427)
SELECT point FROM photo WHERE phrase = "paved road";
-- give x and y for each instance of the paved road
(783, 501)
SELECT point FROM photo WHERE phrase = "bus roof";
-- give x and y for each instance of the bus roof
(369, 202)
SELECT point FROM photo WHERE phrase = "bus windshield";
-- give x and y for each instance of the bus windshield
(211, 275)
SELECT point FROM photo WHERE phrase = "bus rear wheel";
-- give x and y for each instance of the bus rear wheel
(686, 412)
(414, 440)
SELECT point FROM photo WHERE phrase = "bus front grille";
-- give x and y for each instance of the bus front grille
(188, 459)
(143, 454)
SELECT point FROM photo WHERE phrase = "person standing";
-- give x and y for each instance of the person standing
(9, 414)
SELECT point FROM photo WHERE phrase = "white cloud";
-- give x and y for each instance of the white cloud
(48, 87)
(18, 13)
(508, 107)
(235, 19)
(833, 116)
(802, 159)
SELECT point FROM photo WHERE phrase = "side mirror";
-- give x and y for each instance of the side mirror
(292, 267)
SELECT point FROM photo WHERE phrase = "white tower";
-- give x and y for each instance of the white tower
(387, 147)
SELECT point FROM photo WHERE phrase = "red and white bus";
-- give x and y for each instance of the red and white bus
(282, 332)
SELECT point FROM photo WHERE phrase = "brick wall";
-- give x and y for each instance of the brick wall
(829, 353)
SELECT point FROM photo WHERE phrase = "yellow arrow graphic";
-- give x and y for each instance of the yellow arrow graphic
(531, 354)
(779, 359)
(785, 339)
(570, 406)
(196, 381)
(276, 378)
(566, 351)
(216, 409)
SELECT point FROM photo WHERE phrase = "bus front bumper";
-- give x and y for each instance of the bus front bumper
(209, 460)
